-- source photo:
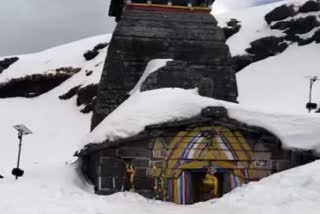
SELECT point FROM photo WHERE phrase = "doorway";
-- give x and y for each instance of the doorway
(202, 188)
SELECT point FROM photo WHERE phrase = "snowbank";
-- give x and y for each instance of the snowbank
(163, 105)
(59, 189)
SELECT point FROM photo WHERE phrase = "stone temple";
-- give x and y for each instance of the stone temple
(184, 161)
(182, 30)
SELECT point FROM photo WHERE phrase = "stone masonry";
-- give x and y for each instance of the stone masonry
(191, 39)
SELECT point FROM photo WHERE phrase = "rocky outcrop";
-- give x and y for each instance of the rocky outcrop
(280, 13)
(189, 38)
(301, 29)
(85, 96)
(233, 27)
(35, 84)
(266, 47)
(91, 54)
(6, 62)
(310, 6)
(296, 25)
(72, 92)
(241, 61)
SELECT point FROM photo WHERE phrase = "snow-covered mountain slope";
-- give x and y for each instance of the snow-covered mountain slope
(58, 124)
(277, 83)
(51, 183)
(69, 55)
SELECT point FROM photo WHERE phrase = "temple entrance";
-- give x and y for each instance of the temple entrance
(205, 186)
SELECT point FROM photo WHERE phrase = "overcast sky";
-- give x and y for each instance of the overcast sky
(33, 25)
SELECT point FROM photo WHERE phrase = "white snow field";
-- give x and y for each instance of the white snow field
(52, 185)
(277, 83)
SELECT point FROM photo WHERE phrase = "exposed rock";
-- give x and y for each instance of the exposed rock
(88, 73)
(233, 27)
(73, 91)
(310, 6)
(87, 109)
(281, 25)
(32, 86)
(91, 54)
(280, 13)
(87, 94)
(266, 47)
(100, 46)
(36, 84)
(6, 62)
(68, 70)
(241, 61)
(316, 36)
(302, 25)
(302, 42)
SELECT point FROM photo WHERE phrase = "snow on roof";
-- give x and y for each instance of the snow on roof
(170, 104)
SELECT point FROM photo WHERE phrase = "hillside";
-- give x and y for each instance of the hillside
(51, 183)
(276, 82)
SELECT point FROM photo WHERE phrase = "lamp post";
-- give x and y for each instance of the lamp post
(310, 106)
(22, 130)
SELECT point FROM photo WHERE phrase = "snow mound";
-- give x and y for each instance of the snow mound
(292, 191)
(169, 104)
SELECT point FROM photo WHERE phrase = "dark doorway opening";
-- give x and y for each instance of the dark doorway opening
(202, 188)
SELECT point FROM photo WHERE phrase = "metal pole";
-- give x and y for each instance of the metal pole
(19, 152)
(310, 91)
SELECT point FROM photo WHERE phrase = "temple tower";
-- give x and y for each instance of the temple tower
(181, 30)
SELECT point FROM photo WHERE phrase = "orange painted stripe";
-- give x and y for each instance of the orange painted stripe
(167, 8)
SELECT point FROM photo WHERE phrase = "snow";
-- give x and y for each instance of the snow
(69, 55)
(51, 142)
(283, 76)
(130, 118)
(51, 183)
(293, 191)
(253, 26)
(151, 67)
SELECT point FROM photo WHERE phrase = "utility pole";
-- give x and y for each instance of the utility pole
(22, 130)
(310, 105)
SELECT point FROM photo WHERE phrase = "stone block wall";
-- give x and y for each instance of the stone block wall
(190, 38)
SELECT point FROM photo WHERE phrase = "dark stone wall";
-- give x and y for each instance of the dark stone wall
(140, 36)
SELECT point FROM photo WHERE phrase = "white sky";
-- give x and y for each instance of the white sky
(33, 25)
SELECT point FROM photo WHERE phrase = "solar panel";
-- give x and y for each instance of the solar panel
(22, 129)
